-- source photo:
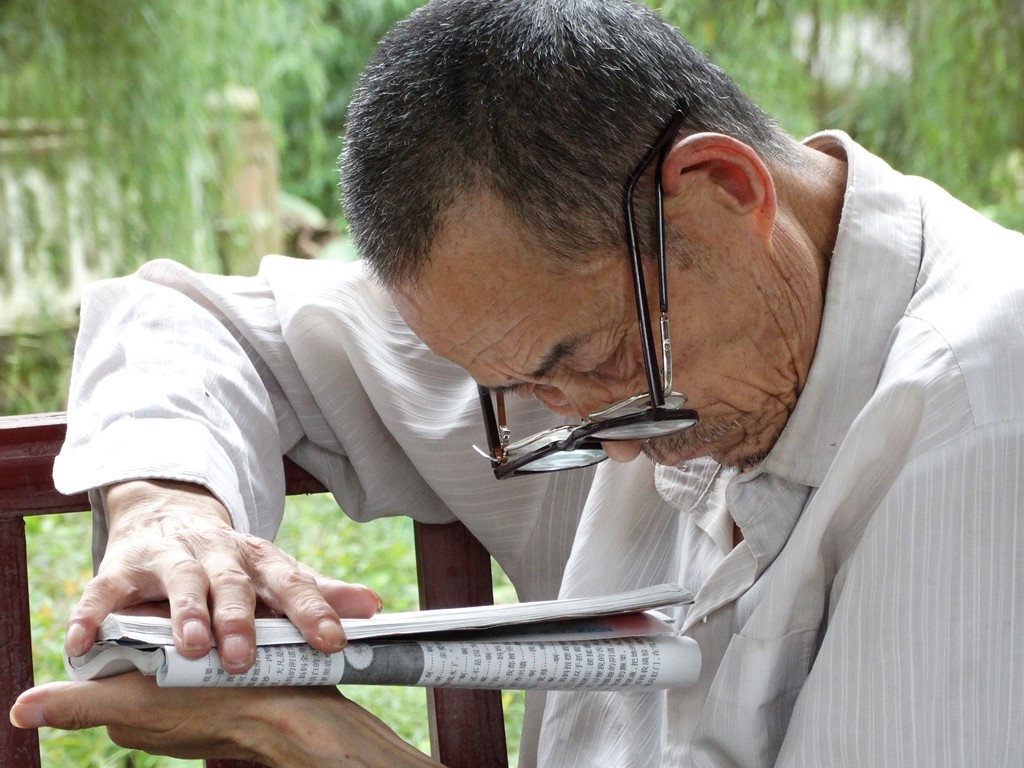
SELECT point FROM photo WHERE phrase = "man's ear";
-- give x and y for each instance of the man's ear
(723, 171)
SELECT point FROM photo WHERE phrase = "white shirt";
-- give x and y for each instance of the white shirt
(871, 615)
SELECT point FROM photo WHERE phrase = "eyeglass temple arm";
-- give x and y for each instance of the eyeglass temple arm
(643, 313)
(656, 387)
(494, 445)
(666, 345)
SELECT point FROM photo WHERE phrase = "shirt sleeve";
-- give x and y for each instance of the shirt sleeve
(165, 385)
(211, 379)
(195, 378)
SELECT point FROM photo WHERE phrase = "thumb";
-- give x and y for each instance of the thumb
(40, 706)
(71, 706)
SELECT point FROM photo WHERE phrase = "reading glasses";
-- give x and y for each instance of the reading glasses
(655, 413)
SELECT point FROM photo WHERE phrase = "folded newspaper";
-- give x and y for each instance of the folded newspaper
(601, 643)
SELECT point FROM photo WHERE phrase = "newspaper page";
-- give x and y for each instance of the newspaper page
(659, 661)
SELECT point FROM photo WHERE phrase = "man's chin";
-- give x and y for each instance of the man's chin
(673, 453)
(704, 440)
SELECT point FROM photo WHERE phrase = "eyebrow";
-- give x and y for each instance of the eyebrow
(558, 353)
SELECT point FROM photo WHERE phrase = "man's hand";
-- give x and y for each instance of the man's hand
(174, 541)
(313, 727)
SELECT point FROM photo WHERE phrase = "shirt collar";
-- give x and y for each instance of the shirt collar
(871, 280)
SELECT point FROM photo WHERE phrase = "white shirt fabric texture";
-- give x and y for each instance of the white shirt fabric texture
(872, 614)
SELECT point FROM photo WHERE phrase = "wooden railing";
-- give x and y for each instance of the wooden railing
(467, 727)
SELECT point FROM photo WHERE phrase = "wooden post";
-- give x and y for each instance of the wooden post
(460, 575)
(17, 747)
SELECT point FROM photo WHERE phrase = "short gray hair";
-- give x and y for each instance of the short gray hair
(546, 103)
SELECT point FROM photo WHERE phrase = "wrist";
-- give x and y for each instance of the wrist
(130, 499)
(317, 727)
(293, 727)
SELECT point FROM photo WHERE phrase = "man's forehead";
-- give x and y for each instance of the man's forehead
(501, 327)
(521, 335)
(491, 298)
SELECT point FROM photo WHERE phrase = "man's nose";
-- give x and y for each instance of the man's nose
(554, 399)
(622, 450)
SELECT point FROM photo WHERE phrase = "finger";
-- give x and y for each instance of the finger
(187, 586)
(345, 600)
(211, 594)
(233, 604)
(104, 594)
(290, 588)
(349, 600)
(84, 619)
(30, 708)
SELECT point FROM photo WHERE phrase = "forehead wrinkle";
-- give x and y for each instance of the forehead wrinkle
(532, 361)
(521, 338)
(503, 338)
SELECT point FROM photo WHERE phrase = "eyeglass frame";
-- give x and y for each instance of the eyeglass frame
(658, 382)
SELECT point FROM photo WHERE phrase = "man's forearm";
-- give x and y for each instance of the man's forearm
(314, 727)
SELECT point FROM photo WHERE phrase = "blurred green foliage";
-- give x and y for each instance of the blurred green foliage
(934, 86)
(137, 76)
(35, 368)
(312, 81)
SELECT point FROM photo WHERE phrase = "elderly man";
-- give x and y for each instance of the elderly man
(566, 201)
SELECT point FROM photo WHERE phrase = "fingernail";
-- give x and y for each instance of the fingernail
(75, 640)
(331, 634)
(194, 635)
(236, 654)
(27, 715)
